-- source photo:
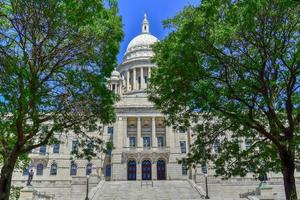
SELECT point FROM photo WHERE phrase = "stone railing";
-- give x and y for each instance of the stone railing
(146, 149)
(37, 157)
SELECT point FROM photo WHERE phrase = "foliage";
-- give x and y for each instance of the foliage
(15, 193)
(55, 60)
(231, 70)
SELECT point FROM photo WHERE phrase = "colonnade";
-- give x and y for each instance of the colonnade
(132, 76)
(140, 133)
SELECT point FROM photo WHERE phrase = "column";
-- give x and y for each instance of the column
(149, 72)
(125, 136)
(134, 79)
(169, 136)
(127, 80)
(139, 133)
(154, 170)
(142, 78)
(154, 139)
(138, 170)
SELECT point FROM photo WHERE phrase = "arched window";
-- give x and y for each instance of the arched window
(88, 170)
(53, 169)
(73, 170)
(39, 169)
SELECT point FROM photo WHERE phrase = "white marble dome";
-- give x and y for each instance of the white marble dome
(142, 40)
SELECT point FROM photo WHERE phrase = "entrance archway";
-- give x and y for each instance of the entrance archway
(131, 170)
(146, 170)
(161, 170)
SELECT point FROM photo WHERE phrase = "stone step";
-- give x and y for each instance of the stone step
(137, 190)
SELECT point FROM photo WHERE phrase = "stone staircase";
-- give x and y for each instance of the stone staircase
(137, 190)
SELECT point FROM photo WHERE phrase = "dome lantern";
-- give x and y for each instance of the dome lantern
(145, 26)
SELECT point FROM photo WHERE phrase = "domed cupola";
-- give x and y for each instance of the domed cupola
(116, 82)
(136, 65)
(140, 46)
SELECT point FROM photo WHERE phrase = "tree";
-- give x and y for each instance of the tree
(55, 57)
(231, 69)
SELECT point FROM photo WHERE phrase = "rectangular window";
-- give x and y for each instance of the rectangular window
(92, 127)
(45, 129)
(146, 142)
(75, 146)
(184, 170)
(204, 169)
(108, 170)
(77, 129)
(146, 79)
(91, 146)
(160, 141)
(132, 142)
(26, 171)
(56, 148)
(248, 144)
(181, 129)
(109, 152)
(183, 146)
(139, 80)
(110, 130)
(43, 150)
(216, 146)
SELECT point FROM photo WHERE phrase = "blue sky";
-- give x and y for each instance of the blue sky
(132, 12)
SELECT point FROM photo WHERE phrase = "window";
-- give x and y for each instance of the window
(109, 152)
(184, 170)
(139, 80)
(216, 146)
(146, 79)
(92, 127)
(113, 87)
(43, 150)
(110, 130)
(160, 141)
(248, 144)
(91, 146)
(183, 146)
(132, 142)
(73, 169)
(88, 169)
(77, 129)
(26, 171)
(250, 169)
(75, 146)
(53, 169)
(45, 129)
(146, 142)
(204, 169)
(181, 129)
(108, 170)
(39, 169)
(56, 148)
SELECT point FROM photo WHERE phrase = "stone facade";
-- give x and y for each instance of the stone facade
(144, 147)
(139, 136)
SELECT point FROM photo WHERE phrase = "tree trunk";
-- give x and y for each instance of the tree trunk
(5, 181)
(288, 170)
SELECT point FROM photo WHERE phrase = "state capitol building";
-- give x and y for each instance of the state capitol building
(144, 148)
